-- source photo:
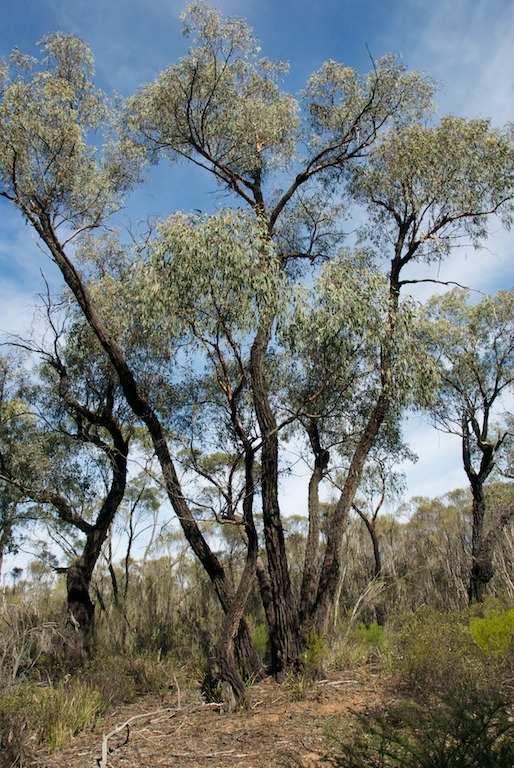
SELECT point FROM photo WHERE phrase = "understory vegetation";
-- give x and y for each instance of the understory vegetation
(449, 667)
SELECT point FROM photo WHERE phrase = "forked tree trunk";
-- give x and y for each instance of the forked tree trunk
(329, 578)
(481, 550)
(311, 559)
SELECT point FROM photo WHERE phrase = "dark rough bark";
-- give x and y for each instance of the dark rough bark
(284, 639)
(332, 561)
(481, 552)
(311, 560)
(481, 556)
(80, 620)
(234, 690)
(233, 687)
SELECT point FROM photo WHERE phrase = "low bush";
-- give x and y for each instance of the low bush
(316, 649)
(373, 637)
(433, 652)
(358, 646)
(448, 734)
(456, 710)
(14, 729)
(494, 633)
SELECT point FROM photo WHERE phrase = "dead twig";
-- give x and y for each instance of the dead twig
(336, 682)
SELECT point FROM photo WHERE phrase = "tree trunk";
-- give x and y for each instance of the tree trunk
(284, 640)
(329, 578)
(378, 606)
(481, 554)
(311, 560)
(80, 621)
(233, 687)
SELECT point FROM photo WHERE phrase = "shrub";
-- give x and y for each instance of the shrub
(494, 633)
(434, 652)
(358, 646)
(372, 636)
(261, 640)
(450, 734)
(14, 729)
(316, 649)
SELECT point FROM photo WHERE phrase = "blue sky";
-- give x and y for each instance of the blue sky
(465, 44)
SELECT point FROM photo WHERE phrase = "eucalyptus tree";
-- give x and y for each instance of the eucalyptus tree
(423, 188)
(474, 347)
(54, 177)
(222, 109)
(64, 453)
(13, 515)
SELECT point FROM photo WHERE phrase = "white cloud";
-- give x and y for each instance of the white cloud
(468, 45)
(439, 467)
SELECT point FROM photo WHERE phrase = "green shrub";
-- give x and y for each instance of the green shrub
(432, 652)
(494, 633)
(358, 646)
(467, 734)
(261, 640)
(372, 636)
(316, 649)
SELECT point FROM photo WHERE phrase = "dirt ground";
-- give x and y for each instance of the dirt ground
(284, 725)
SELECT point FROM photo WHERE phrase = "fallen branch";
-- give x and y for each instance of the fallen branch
(102, 762)
(336, 682)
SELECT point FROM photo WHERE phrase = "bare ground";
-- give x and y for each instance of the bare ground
(284, 725)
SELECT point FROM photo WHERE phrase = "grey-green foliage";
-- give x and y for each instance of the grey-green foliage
(337, 332)
(346, 108)
(473, 345)
(210, 275)
(222, 107)
(14, 420)
(439, 182)
(48, 110)
(219, 101)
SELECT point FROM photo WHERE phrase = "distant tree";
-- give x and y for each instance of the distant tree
(474, 345)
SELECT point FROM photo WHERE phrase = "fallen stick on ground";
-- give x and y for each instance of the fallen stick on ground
(102, 762)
